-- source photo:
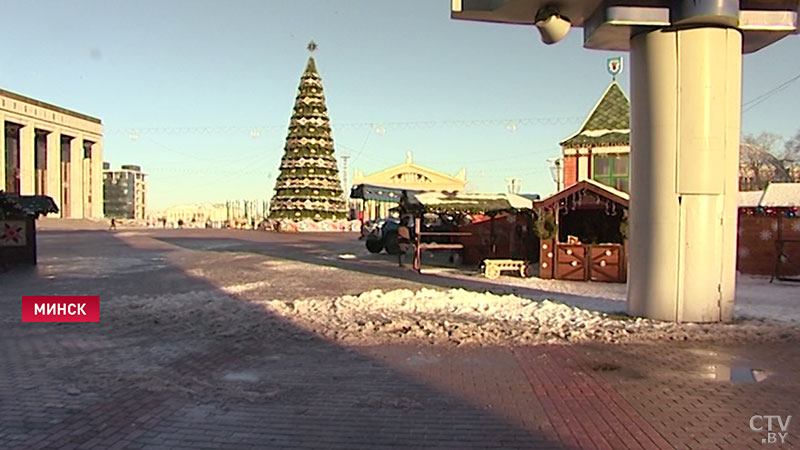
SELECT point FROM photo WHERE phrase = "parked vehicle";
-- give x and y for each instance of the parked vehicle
(383, 236)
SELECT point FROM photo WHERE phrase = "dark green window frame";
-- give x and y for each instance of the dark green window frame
(612, 170)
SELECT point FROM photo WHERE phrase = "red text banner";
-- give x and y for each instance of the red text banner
(60, 308)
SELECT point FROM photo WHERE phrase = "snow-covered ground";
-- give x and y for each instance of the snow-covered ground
(459, 317)
(449, 317)
(756, 297)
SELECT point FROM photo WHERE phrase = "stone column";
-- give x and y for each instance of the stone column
(98, 195)
(76, 177)
(52, 185)
(27, 159)
(86, 167)
(2, 152)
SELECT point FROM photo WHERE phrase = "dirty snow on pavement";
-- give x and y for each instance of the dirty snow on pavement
(460, 317)
(449, 317)
(756, 297)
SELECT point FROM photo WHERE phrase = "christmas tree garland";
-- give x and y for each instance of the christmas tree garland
(308, 186)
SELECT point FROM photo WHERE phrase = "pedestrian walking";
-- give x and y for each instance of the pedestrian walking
(113, 225)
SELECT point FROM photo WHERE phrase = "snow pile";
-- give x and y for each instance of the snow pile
(781, 195)
(463, 317)
(309, 225)
(242, 312)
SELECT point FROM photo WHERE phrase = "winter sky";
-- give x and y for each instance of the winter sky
(159, 72)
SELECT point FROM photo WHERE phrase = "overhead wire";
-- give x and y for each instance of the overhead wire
(750, 104)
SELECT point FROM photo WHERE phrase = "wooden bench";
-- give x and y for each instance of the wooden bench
(420, 246)
(440, 246)
(493, 267)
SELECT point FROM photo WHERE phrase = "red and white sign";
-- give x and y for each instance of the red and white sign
(61, 308)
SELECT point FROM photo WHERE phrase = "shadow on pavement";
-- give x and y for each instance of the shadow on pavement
(322, 249)
(178, 361)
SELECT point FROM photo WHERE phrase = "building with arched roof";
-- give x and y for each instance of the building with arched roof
(758, 167)
(376, 193)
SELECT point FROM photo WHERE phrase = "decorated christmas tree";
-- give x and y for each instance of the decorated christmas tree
(308, 186)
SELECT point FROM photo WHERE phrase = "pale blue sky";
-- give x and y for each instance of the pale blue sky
(173, 64)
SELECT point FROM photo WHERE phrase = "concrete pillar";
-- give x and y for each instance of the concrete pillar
(27, 159)
(97, 181)
(2, 152)
(76, 178)
(685, 121)
(52, 184)
(86, 167)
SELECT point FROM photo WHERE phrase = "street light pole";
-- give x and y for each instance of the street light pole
(555, 171)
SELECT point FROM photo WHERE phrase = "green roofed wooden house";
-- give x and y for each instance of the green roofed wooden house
(600, 149)
(587, 217)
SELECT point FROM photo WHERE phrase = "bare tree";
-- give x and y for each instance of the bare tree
(791, 157)
(791, 148)
(758, 163)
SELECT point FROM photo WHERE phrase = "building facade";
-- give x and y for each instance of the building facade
(233, 214)
(374, 195)
(214, 215)
(48, 150)
(125, 192)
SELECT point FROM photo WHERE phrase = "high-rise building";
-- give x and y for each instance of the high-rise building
(48, 150)
(125, 192)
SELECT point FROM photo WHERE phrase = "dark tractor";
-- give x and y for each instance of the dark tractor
(384, 237)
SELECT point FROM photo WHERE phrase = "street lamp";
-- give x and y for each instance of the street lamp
(686, 58)
(555, 171)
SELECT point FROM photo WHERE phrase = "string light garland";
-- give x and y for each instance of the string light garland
(790, 212)
(379, 128)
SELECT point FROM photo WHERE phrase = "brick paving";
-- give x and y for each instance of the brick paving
(137, 382)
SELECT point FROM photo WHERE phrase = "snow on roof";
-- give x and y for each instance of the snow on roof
(781, 195)
(750, 199)
(610, 189)
(472, 202)
(607, 124)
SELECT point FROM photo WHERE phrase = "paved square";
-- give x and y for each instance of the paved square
(182, 358)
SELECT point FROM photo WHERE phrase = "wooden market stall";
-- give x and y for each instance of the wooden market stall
(18, 214)
(476, 226)
(583, 230)
(769, 232)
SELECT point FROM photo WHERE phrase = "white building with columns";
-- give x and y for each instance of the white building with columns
(48, 150)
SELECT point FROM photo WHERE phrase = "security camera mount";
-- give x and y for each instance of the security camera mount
(548, 11)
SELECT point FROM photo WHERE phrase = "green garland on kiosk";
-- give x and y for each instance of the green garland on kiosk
(623, 228)
(546, 227)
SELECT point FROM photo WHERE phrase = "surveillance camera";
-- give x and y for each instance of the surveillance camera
(552, 25)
